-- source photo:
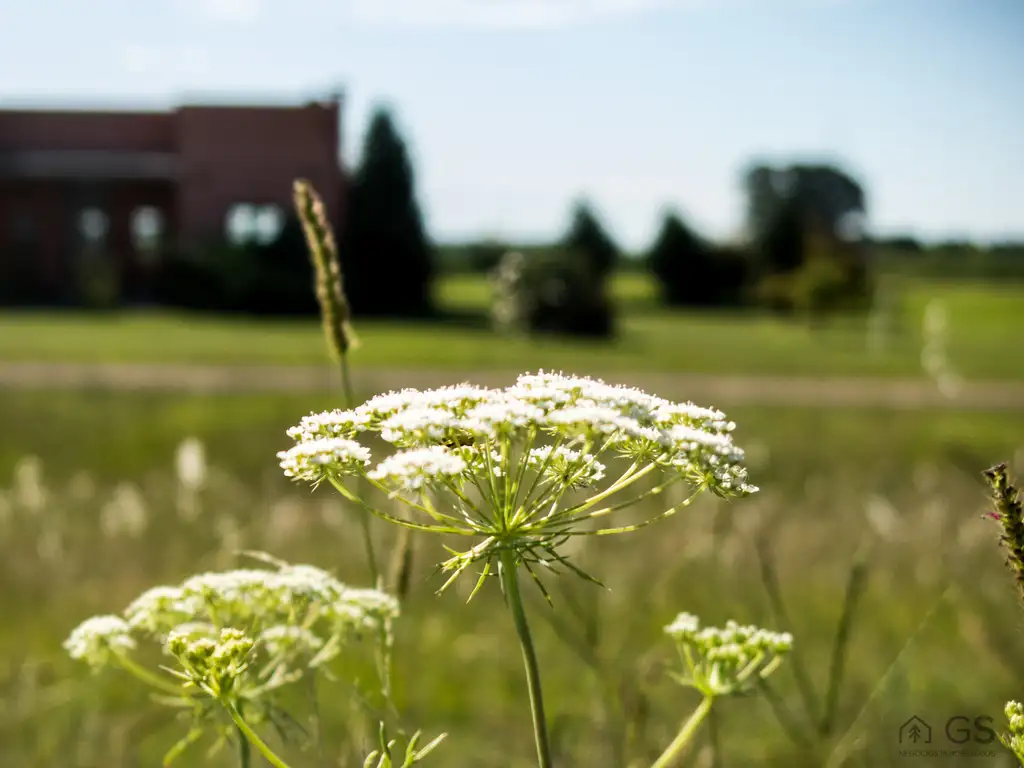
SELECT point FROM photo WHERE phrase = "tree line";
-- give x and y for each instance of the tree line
(805, 251)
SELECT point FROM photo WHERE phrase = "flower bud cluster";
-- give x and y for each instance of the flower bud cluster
(723, 660)
(212, 665)
(1014, 740)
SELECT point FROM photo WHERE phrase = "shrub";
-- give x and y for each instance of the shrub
(551, 291)
(692, 272)
(97, 280)
(22, 282)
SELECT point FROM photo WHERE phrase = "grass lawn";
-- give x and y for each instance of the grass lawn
(937, 631)
(983, 332)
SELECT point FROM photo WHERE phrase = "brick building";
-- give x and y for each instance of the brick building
(134, 183)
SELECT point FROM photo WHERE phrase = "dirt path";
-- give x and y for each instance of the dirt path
(719, 390)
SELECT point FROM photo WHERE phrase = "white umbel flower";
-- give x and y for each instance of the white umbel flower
(96, 640)
(288, 639)
(314, 459)
(571, 468)
(336, 423)
(419, 467)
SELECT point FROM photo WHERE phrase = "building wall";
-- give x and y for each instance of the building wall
(252, 155)
(46, 130)
(225, 156)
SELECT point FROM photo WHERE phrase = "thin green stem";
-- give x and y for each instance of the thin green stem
(244, 753)
(314, 701)
(143, 674)
(510, 580)
(682, 739)
(253, 737)
(531, 436)
(346, 383)
(364, 517)
(537, 481)
(371, 555)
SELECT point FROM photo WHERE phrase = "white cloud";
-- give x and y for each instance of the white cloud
(505, 13)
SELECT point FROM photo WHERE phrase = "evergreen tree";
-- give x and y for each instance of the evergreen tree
(386, 257)
(588, 237)
(690, 271)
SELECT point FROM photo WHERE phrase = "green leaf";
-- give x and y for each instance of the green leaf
(190, 738)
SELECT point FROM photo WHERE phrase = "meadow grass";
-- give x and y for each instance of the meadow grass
(903, 487)
(982, 332)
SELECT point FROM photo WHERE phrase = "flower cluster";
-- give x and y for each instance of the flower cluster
(98, 640)
(725, 660)
(293, 610)
(1014, 740)
(695, 440)
(259, 597)
(503, 462)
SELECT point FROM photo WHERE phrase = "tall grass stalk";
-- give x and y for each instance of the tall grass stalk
(335, 312)
(330, 292)
(1008, 511)
(820, 721)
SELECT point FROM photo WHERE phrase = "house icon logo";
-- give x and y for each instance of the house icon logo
(915, 731)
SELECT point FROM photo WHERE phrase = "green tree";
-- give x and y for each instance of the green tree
(780, 248)
(690, 271)
(386, 257)
(587, 237)
(779, 199)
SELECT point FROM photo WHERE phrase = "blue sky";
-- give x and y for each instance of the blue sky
(513, 108)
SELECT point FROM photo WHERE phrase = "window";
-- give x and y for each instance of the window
(269, 223)
(147, 231)
(93, 225)
(247, 223)
(240, 226)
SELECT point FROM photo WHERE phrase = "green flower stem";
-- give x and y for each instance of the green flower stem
(243, 749)
(252, 736)
(510, 580)
(364, 517)
(628, 478)
(149, 678)
(537, 485)
(682, 739)
(371, 555)
(317, 724)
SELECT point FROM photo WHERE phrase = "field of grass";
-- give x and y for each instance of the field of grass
(983, 332)
(100, 516)
(937, 632)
